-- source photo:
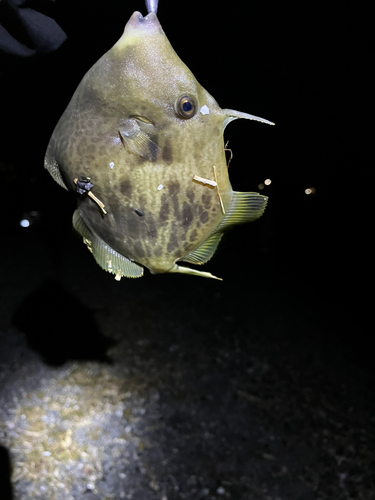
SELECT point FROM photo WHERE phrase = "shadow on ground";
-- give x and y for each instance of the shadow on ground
(59, 327)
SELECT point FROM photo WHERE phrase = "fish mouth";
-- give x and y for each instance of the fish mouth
(147, 23)
(139, 28)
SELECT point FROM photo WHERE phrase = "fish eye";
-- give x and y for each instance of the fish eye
(186, 107)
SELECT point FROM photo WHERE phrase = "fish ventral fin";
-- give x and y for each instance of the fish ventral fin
(107, 258)
(204, 253)
(136, 140)
(192, 272)
(244, 207)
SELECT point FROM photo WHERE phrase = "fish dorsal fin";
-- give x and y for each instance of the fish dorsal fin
(244, 207)
(204, 253)
(137, 141)
(232, 114)
(107, 258)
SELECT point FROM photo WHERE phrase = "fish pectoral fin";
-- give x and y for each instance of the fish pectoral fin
(192, 272)
(136, 140)
(205, 252)
(107, 258)
(244, 207)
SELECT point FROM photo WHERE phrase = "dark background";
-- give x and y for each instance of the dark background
(306, 68)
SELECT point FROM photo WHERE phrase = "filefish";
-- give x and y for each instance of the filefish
(141, 146)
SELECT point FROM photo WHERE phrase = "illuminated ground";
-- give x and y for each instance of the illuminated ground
(174, 387)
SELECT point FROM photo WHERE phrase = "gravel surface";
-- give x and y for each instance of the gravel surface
(166, 388)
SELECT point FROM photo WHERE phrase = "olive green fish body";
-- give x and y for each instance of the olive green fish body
(150, 139)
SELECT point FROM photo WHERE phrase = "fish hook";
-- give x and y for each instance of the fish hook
(152, 5)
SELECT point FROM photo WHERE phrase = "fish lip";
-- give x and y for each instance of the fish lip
(137, 21)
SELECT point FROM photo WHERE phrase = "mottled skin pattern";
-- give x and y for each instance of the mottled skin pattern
(142, 76)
